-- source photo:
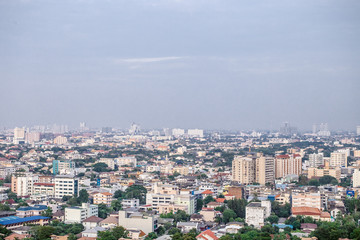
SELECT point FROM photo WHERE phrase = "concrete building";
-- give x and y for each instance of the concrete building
(128, 161)
(265, 169)
(358, 130)
(338, 159)
(133, 203)
(170, 196)
(196, 133)
(60, 140)
(320, 172)
(103, 197)
(32, 137)
(316, 160)
(356, 178)
(288, 164)
(177, 132)
(307, 200)
(134, 219)
(78, 214)
(44, 188)
(63, 166)
(19, 135)
(110, 162)
(253, 168)
(22, 183)
(257, 212)
(66, 185)
(243, 170)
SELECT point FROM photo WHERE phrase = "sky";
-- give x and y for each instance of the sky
(211, 64)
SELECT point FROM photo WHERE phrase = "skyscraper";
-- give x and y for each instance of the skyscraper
(19, 135)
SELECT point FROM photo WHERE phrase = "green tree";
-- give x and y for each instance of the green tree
(100, 167)
(103, 210)
(228, 214)
(327, 180)
(238, 206)
(119, 194)
(116, 205)
(199, 204)
(273, 219)
(208, 199)
(314, 182)
(42, 232)
(83, 196)
(4, 207)
(136, 191)
(151, 235)
(47, 213)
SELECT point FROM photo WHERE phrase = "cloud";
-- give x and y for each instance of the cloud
(145, 60)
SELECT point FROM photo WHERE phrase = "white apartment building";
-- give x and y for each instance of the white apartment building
(129, 161)
(137, 220)
(356, 178)
(79, 214)
(177, 132)
(338, 159)
(22, 183)
(133, 203)
(257, 212)
(196, 133)
(60, 140)
(103, 197)
(66, 185)
(316, 160)
(170, 195)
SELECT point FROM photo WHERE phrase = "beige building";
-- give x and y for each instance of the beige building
(265, 168)
(60, 140)
(288, 164)
(253, 168)
(79, 214)
(44, 188)
(357, 153)
(320, 172)
(283, 198)
(338, 159)
(103, 197)
(307, 200)
(19, 135)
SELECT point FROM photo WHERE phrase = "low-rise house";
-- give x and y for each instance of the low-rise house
(185, 227)
(36, 210)
(308, 227)
(102, 197)
(16, 236)
(93, 232)
(209, 214)
(109, 222)
(133, 203)
(91, 222)
(207, 235)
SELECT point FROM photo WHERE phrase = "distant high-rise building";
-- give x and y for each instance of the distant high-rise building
(196, 133)
(106, 129)
(60, 140)
(177, 132)
(358, 130)
(32, 137)
(167, 132)
(316, 160)
(134, 129)
(287, 129)
(321, 130)
(19, 135)
(83, 127)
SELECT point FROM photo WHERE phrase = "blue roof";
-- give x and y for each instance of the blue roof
(36, 207)
(283, 225)
(13, 220)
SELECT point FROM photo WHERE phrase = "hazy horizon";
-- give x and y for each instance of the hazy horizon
(206, 64)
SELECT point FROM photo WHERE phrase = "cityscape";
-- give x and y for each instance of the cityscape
(179, 120)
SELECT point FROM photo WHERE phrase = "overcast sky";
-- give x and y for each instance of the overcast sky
(212, 64)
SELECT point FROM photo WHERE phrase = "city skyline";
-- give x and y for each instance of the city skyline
(191, 64)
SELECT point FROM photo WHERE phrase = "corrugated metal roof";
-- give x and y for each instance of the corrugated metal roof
(20, 220)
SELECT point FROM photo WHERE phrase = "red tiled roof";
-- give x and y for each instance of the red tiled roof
(282, 156)
(220, 200)
(305, 211)
(207, 192)
(206, 234)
